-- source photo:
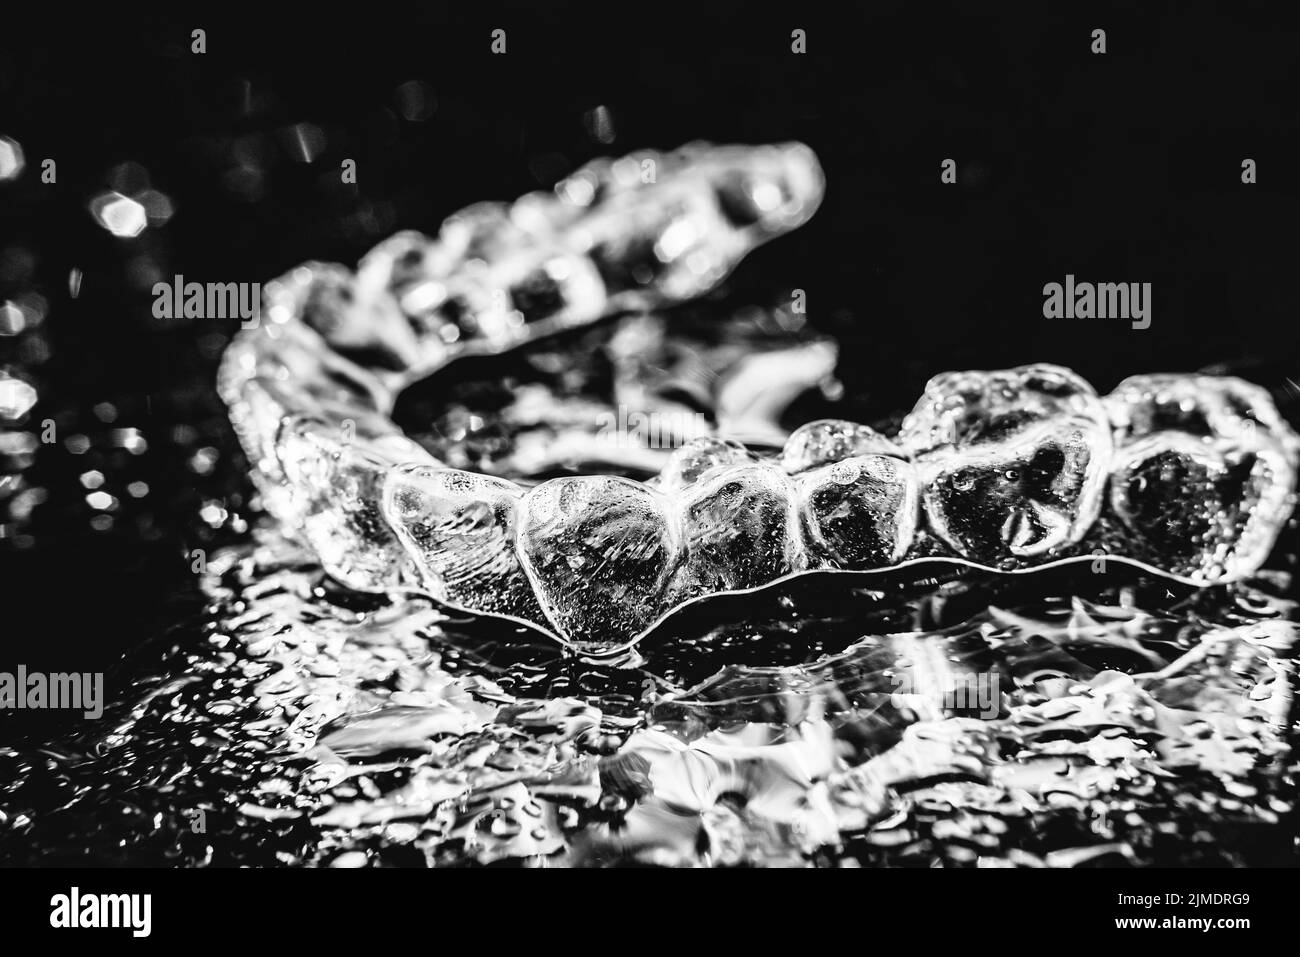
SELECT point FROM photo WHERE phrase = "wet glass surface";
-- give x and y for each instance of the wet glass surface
(294, 723)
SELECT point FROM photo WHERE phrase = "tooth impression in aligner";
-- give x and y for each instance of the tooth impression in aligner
(1013, 462)
(336, 480)
(459, 528)
(1204, 472)
(600, 551)
(739, 530)
(861, 512)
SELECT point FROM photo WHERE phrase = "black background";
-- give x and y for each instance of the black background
(1117, 167)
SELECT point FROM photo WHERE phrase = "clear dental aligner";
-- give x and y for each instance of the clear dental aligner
(1006, 470)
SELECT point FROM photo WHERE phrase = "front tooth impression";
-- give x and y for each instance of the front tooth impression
(1204, 472)
(600, 551)
(459, 527)
(858, 496)
(860, 512)
(1013, 463)
(738, 530)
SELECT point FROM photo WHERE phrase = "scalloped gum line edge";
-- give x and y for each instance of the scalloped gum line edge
(777, 583)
